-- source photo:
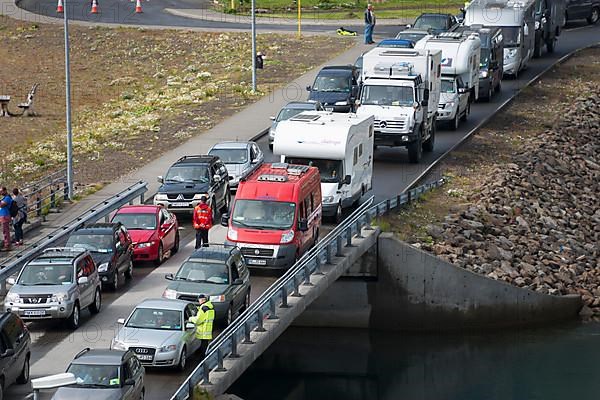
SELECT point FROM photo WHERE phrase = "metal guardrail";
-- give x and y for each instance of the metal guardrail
(12, 264)
(276, 296)
(45, 192)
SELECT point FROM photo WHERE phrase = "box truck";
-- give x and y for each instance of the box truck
(401, 89)
(339, 145)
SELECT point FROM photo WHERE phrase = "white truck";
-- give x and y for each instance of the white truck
(340, 145)
(460, 73)
(401, 88)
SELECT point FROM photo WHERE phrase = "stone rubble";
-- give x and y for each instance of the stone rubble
(535, 222)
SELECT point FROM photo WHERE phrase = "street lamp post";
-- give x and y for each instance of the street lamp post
(253, 46)
(68, 108)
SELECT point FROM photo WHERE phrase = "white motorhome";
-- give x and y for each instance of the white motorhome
(517, 20)
(401, 88)
(460, 73)
(340, 145)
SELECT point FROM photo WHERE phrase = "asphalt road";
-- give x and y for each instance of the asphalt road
(54, 346)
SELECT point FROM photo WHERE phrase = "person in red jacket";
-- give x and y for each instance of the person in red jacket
(202, 222)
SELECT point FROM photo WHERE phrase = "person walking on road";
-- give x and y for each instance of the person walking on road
(369, 24)
(21, 217)
(204, 323)
(5, 217)
(202, 221)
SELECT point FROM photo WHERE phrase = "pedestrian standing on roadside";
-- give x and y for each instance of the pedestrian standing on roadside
(204, 323)
(21, 217)
(5, 218)
(202, 221)
(369, 24)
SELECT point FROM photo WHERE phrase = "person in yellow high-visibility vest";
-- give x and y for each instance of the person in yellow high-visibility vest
(204, 320)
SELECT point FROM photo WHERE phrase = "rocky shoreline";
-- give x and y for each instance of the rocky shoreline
(535, 222)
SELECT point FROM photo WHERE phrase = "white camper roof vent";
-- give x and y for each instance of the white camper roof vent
(394, 68)
(450, 35)
(305, 117)
(272, 178)
(516, 4)
(297, 169)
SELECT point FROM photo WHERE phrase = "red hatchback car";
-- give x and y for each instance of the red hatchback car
(153, 230)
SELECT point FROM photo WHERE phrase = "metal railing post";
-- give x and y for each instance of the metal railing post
(359, 229)
(142, 198)
(220, 367)
(234, 352)
(65, 191)
(38, 206)
(52, 198)
(261, 318)
(349, 236)
(318, 264)
(328, 255)
(296, 287)
(273, 312)
(284, 296)
(307, 281)
(247, 330)
(339, 241)
(206, 375)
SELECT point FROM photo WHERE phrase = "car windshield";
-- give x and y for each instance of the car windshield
(330, 170)
(287, 113)
(187, 173)
(448, 86)
(231, 156)
(34, 275)
(97, 376)
(262, 214)
(387, 95)
(437, 22)
(154, 318)
(512, 35)
(484, 58)
(332, 83)
(94, 243)
(199, 271)
(414, 37)
(135, 221)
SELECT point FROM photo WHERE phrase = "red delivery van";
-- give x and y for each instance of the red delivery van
(276, 215)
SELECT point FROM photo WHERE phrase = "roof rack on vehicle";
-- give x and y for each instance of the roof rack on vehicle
(82, 352)
(63, 250)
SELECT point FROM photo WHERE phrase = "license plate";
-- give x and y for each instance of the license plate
(328, 108)
(144, 357)
(34, 312)
(254, 261)
(180, 204)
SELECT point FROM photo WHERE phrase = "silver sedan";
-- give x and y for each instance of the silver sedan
(240, 159)
(159, 333)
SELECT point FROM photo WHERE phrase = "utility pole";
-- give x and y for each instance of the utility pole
(68, 108)
(299, 18)
(253, 46)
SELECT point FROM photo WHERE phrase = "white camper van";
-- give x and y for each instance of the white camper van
(517, 20)
(340, 145)
(460, 73)
(401, 88)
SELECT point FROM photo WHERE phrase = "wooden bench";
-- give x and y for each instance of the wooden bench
(27, 107)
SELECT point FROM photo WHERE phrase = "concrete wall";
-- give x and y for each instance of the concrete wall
(417, 291)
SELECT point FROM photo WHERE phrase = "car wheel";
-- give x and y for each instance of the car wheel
(182, 360)
(339, 214)
(213, 207)
(415, 149)
(225, 207)
(551, 45)
(115, 280)
(129, 270)
(467, 112)
(1, 390)
(454, 123)
(489, 94)
(97, 304)
(594, 16)
(143, 394)
(430, 143)
(498, 87)
(24, 377)
(161, 255)
(73, 319)
(175, 248)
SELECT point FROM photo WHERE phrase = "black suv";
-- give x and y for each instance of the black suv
(111, 248)
(104, 374)
(336, 88)
(190, 178)
(583, 9)
(14, 351)
(435, 22)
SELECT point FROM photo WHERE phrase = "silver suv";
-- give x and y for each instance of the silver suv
(57, 284)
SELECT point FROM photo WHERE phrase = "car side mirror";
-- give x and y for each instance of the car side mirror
(462, 90)
(357, 102)
(254, 160)
(303, 225)
(169, 277)
(160, 179)
(408, 26)
(190, 326)
(129, 382)
(225, 219)
(426, 94)
(229, 177)
(347, 179)
(238, 281)
(121, 321)
(11, 281)
(309, 88)
(82, 280)
(272, 118)
(8, 353)
(165, 226)
(217, 178)
(424, 103)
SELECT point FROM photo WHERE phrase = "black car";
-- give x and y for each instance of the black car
(111, 248)
(190, 178)
(583, 9)
(336, 88)
(104, 374)
(14, 351)
(435, 22)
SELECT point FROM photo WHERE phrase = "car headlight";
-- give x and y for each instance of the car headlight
(328, 199)
(217, 299)
(168, 348)
(483, 74)
(13, 298)
(160, 196)
(59, 297)
(118, 345)
(450, 104)
(511, 53)
(103, 267)
(272, 133)
(287, 237)
(341, 103)
(232, 234)
(142, 246)
(198, 196)
(169, 294)
(537, 25)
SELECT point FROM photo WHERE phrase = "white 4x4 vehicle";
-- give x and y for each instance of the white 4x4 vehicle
(59, 283)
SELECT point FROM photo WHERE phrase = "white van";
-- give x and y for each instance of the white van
(340, 145)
